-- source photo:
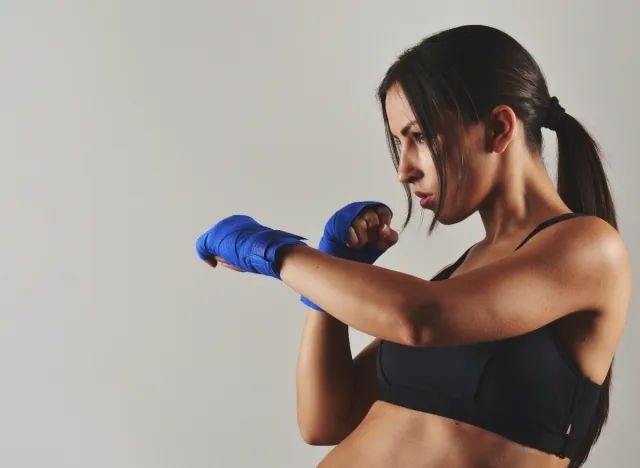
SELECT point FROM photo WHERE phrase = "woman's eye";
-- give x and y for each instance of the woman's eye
(419, 137)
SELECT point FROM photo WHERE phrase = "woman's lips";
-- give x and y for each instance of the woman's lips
(425, 201)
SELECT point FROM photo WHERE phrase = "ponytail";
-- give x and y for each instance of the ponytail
(584, 188)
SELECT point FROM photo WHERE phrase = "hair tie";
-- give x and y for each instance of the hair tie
(554, 114)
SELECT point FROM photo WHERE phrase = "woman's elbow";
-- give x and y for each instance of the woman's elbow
(319, 431)
(418, 327)
(317, 436)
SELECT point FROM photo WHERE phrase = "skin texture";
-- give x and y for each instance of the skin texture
(575, 275)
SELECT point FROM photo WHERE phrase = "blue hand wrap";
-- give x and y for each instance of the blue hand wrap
(336, 236)
(245, 244)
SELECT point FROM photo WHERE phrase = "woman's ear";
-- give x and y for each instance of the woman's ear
(501, 128)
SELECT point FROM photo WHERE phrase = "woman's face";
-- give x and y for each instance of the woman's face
(417, 168)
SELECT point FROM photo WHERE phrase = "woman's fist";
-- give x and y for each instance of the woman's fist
(372, 227)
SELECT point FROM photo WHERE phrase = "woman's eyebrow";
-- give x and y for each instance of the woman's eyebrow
(406, 128)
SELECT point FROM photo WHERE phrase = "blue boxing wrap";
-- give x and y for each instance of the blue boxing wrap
(336, 236)
(245, 244)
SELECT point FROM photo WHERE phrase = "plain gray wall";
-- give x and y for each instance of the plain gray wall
(127, 128)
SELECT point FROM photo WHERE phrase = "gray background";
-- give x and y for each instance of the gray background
(127, 128)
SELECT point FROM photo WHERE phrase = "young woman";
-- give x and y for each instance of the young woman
(504, 358)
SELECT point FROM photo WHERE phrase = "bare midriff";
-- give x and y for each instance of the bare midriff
(393, 436)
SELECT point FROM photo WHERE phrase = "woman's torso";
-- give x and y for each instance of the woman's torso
(395, 436)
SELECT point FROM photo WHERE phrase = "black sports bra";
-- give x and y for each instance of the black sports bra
(523, 388)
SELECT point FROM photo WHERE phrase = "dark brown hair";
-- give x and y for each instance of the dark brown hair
(468, 71)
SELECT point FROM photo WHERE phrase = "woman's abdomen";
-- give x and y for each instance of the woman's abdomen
(393, 436)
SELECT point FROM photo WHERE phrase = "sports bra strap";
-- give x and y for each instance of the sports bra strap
(547, 223)
(444, 274)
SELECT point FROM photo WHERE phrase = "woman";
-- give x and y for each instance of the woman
(503, 358)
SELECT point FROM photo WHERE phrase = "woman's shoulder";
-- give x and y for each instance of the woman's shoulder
(590, 244)
(586, 254)
(592, 239)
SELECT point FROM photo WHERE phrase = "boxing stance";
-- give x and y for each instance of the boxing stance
(504, 357)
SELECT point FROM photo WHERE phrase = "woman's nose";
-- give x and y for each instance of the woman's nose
(408, 172)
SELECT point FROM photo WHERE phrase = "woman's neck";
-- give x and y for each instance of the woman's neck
(523, 197)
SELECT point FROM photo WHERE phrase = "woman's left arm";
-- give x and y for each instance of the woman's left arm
(570, 267)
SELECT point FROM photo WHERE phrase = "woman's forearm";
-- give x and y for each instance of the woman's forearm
(325, 378)
(374, 300)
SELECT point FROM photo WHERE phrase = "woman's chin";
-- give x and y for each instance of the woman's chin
(447, 218)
